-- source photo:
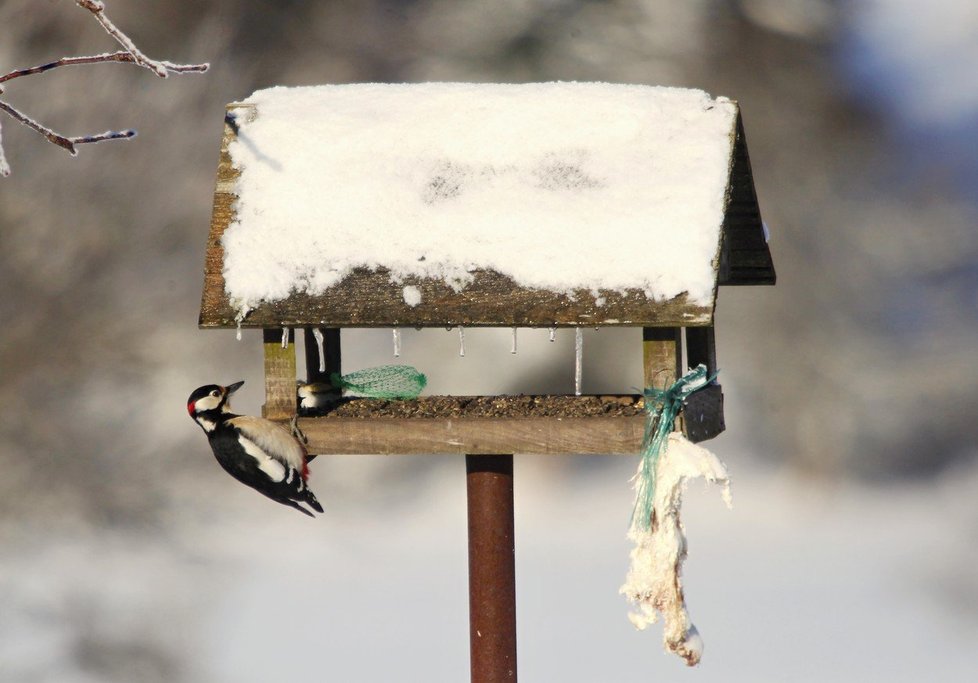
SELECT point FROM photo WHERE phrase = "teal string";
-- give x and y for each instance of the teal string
(661, 408)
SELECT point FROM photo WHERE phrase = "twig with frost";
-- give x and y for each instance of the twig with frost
(161, 69)
(653, 583)
(131, 55)
(4, 166)
(61, 140)
(120, 56)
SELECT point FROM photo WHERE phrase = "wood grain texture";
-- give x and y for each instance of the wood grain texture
(213, 297)
(459, 436)
(280, 375)
(745, 258)
(368, 298)
(661, 356)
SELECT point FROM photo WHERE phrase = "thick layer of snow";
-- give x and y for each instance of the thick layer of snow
(560, 186)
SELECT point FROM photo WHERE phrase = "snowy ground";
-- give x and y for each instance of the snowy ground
(798, 582)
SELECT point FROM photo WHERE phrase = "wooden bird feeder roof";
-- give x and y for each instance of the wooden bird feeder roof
(563, 172)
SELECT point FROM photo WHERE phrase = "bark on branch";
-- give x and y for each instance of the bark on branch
(130, 54)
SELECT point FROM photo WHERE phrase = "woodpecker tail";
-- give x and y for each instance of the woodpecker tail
(311, 501)
(293, 504)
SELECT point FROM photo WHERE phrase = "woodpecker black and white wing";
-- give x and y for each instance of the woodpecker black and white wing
(257, 452)
(245, 461)
(272, 439)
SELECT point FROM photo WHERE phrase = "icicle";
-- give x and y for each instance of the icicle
(553, 333)
(461, 340)
(318, 334)
(578, 358)
(285, 337)
(512, 349)
(397, 342)
(238, 333)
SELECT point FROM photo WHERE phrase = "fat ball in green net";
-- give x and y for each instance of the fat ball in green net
(385, 381)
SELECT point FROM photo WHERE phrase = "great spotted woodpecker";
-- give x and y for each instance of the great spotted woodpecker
(253, 450)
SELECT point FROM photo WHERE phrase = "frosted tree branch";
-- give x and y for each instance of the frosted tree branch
(131, 55)
(161, 69)
(60, 140)
(4, 166)
(125, 57)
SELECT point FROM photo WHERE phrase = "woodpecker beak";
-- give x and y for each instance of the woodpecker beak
(231, 388)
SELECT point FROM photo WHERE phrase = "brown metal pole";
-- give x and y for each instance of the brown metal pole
(492, 568)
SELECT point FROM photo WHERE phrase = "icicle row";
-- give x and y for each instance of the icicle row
(285, 337)
(461, 341)
(397, 342)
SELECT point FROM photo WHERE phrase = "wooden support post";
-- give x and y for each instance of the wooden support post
(331, 350)
(662, 356)
(279, 376)
(703, 413)
(701, 348)
(492, 568)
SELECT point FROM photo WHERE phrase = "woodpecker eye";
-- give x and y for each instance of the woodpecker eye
(215, 393)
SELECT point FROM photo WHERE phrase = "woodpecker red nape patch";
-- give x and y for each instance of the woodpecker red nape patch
(190, 408)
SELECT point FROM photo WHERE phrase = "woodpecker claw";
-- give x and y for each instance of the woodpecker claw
(296, 432)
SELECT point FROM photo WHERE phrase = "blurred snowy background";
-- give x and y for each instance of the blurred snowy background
(127, 555)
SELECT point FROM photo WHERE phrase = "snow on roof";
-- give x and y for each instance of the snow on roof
(560, 186)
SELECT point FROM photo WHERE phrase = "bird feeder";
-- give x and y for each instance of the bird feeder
(418, 206)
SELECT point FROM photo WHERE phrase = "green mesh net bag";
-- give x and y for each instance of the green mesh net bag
(385, 381)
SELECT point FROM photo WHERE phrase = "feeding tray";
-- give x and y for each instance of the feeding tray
(441, 205)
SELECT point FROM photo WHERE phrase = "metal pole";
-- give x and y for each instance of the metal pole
(492, 568)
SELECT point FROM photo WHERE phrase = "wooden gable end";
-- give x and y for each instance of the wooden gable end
(744, 255)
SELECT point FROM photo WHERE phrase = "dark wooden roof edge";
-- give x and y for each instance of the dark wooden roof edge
(370, 298)
(745, 258)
